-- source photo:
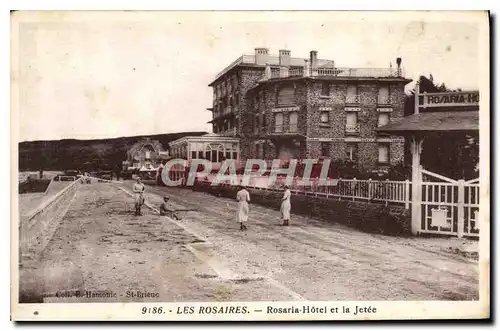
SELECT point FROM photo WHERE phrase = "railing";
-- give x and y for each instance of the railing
(341, 72)
(228, 133)
(354, 128)
(397, 192)
(291, 128)
(327, 71)
(300, 62)
(275, 73)
(352, 99)
(296, 72)
(384, 101)
(359, 72)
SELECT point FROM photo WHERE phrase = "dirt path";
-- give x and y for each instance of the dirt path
(204, 257)
(321, 261)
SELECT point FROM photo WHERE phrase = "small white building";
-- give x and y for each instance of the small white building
(212, 147)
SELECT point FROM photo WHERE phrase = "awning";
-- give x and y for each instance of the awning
(434, 122)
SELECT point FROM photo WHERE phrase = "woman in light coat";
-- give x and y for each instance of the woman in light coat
(243, 198)
(286, 206)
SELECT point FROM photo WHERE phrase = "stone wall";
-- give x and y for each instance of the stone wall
(312, 103)
(364, 216)
(35, 232)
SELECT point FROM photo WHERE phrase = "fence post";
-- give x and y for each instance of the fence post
(353, 189)
(369, 189)
(460, 202)
(407, 194)
(386, 191)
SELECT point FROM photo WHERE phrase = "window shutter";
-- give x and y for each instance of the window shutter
(352, 90)
(383, 94)
(293, 121)
(383, 153)
(278, 118)
(352, 118)
(383, 119)
(325, 117)
(286, 95)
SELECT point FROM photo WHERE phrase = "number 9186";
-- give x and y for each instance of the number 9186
(152, 310)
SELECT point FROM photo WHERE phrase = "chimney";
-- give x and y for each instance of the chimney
(284, 58)
(313, 59)
(284, 62)
(261, 55)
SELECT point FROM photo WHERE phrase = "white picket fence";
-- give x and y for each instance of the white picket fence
(394, 192)
(450, 208)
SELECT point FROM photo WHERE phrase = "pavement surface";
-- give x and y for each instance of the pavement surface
(118, 257)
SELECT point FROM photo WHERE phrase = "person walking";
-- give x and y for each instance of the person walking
(243, 198)
(139, 198)
(286, 206)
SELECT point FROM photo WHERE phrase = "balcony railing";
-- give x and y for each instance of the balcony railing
(228, 133)
(384, 101)
(352, 99)
(291, 128)
(300, 62)
(352, 128)
(339, 72)
(296, 72)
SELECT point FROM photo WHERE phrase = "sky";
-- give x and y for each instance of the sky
(104, 75)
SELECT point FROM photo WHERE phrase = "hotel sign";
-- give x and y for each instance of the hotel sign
(450, 99)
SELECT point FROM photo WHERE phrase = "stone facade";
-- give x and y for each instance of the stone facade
(327, 138)
(322, 106)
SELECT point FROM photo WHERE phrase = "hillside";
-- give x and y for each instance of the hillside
(78, 154)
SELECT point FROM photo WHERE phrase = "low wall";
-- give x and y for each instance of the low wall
(365, 216)
(36, 229)
(35, 232)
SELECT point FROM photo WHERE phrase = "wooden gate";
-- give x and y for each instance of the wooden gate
(449, 206)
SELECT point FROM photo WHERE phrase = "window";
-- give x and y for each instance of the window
(200, 155)
(228, 154)
(352, 152)
(263, 120)
(213, 156)
(286, 95)
(235, 155)
(351, 119)
(383, 95)
(148, 155)
(193, 155)
(207, 155)
(325, 89)
(383, 153)
(278, 122)
(383, 119)
(352, 94)
(325, 149)
(325, 117)
(293, 121)
(221, 156)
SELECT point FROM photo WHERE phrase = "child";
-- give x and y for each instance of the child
(164, 211)
(163, 207)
